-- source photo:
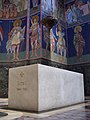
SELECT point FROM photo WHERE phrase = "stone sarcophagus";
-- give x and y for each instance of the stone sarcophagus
(40, 88)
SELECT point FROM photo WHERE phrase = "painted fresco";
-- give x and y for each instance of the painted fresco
(35, 36)
(58, 43)
(13, 8)
(1, 35)
(15, 38)
(77, 11)
(46, 6)
(78, 43)
(34, 6)
(12, 39)
(53, 8)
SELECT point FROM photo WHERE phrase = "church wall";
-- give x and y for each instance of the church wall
(50, 46)
(13, 37)
(77, 15)
(35, 33)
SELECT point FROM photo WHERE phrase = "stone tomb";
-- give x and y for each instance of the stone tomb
(40, 88)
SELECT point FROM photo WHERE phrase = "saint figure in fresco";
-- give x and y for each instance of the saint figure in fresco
(35, 3)
(45, 5)
(1, 35)
(52, 41)
(75, 14)
(46, 37)
(21, 5)
(61, 46)
(34, 30)
(15, 37)
(78, 41)
(69, 15)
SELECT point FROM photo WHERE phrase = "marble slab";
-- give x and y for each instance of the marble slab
(39, 87)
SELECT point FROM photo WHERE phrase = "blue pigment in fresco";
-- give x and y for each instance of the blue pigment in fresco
(7, 26)
(77, 12)
(85, 32)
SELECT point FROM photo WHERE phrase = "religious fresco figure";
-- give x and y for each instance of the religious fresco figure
(21, 5)
(52, 41)
(69, 15)
(1, 35)
(61, 45)
(15, 37)
(84, 7)
(78, 41)
(57, 42)
(35, 3)
(46, 37)
(1, 13)
(34, 31)
(45, 4)
(13, 8)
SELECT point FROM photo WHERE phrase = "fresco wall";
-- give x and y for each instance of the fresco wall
(35, 30)
(77, 15)
(54, 41)
(13, 23)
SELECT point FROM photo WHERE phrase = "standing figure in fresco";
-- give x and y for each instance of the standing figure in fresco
(11, 10)
(34, 30)
(46, 37)
(52, 41)
(15, 37)
(75, 14)
(61, 47)
(45, 5)
(35, 3)
(1, 35)
(21, 4)
(69, 15)
(1, 13)
(78, 41)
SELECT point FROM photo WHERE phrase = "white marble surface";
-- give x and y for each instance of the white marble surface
(58, 88)
(39, 87)
(23, 88)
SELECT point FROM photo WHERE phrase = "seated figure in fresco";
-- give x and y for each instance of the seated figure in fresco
(61, 46)
(78, 41)
(34, 30)
(15, 37)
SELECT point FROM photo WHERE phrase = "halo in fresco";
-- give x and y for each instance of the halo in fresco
(15, 37)
(78, 41)
(35, 35)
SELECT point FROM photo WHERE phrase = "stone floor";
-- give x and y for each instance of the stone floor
(76, 112)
